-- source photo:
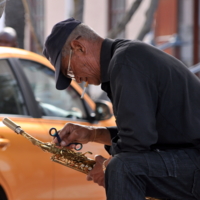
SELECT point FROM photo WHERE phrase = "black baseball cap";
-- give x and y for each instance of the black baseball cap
(53, 47)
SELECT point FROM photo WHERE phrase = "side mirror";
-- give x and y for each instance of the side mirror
(103, 110)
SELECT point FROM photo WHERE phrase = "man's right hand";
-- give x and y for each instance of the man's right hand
(75, 133)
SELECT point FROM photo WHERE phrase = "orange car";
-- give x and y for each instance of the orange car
(29, 98)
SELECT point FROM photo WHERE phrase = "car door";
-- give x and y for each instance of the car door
(59, 108)
(25, 170)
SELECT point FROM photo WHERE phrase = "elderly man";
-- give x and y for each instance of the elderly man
(155, 147)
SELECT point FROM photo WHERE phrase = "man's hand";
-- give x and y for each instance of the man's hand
(97, 173)
(75, 133)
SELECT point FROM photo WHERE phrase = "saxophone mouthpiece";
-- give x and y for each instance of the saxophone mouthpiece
(10, 124)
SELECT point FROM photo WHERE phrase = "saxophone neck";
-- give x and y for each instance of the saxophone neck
(32, 139)
(17, 129)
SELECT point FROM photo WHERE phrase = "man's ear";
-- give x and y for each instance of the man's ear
(78, 46)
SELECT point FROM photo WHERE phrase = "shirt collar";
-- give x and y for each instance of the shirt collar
(105, 57)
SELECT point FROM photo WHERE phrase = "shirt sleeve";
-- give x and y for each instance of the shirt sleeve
(135, 98)
(113, 133)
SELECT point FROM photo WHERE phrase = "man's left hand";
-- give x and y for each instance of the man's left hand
(97, 173)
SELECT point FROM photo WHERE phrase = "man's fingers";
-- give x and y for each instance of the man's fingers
(73, 133)
(63, 143)
(89, 178)
(99, 159)
(55, 141)
(66, 135)
(66, 130)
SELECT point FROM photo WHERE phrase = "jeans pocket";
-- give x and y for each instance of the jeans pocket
(161, 164)
(196, 184)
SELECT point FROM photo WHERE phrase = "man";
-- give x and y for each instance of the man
(155, 147)
(8, 37)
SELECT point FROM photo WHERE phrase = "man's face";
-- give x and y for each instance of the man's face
(84, 65)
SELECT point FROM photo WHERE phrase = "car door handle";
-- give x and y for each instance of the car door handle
(4, 143)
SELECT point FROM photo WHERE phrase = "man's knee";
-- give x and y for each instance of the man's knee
(123, 182)
(115, 164)
(128, 163)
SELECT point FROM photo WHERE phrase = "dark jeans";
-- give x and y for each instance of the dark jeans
(170, 175)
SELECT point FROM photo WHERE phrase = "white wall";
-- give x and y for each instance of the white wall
(55, 11)
(96, 15)
(136, 23)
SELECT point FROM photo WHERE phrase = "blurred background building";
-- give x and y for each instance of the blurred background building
(171, 25)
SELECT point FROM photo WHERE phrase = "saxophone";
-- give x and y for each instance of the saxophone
(69, 158)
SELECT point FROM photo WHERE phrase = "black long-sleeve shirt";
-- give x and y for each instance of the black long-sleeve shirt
(156, 99)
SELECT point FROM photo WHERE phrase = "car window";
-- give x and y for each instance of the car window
(53, 102)
(11, 99)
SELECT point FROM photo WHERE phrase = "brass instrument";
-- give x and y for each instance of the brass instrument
(69, 158)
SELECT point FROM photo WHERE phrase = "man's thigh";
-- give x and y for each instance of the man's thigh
(168, 174)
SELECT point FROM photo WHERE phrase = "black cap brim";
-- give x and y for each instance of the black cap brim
(62, 82)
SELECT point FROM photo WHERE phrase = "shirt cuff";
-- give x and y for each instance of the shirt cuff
(113, 133)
